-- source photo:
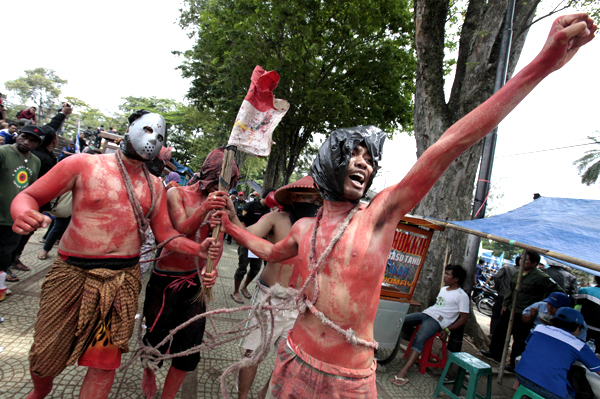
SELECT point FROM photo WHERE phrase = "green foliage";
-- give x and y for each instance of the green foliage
(191, 132)
(498, 247)
(588, 165)
(41, 86)
(342, 63)
(253, 169)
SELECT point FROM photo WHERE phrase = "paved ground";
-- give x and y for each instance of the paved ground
(19, 311)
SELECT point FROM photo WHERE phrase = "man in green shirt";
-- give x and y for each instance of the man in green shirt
(535, 286)
(18, 169)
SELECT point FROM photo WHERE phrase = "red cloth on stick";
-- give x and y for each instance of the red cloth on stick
(259, 115)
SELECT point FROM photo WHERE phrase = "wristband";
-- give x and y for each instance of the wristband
(446, 329)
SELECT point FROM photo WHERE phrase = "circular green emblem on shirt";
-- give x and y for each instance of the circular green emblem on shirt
(21, 177)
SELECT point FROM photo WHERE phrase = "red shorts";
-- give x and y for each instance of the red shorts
(299, 375)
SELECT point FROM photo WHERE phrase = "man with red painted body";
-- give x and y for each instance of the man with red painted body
(317, 361)
(172, 291)
(299, 200)
(90, 296)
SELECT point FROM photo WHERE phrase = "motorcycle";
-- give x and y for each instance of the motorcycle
(484, 297)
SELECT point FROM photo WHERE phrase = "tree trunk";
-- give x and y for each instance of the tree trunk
(452, 196)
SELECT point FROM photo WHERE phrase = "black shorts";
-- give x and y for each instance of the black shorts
(169, 303)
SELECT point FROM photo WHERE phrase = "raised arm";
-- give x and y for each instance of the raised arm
(567, 34)
(60, 179)
(277, 253)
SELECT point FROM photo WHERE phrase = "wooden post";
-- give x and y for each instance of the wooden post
(512, 319)
(206, 293)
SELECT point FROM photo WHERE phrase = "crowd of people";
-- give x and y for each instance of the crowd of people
(315, 235)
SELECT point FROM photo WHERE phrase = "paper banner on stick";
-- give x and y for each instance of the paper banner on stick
(259, 115)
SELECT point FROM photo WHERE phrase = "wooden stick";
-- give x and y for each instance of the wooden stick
(206, 293)
(512, 320)
(545, 252)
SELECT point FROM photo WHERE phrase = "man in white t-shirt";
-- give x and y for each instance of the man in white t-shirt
(450, 312)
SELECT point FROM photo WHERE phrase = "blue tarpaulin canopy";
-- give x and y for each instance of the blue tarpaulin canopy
(563, 225)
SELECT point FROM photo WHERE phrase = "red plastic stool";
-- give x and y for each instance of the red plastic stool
(428, 359)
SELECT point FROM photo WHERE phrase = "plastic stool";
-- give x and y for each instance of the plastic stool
(466, 363)
(522, 391)
(428, 359)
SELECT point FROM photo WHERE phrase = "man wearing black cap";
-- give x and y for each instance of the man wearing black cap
(18, 169)
(47, 160)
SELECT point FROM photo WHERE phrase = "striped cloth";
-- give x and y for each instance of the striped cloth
(72, 302)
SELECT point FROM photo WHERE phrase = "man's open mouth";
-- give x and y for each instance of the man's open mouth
(357, 177)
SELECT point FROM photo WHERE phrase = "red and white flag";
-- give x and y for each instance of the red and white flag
(259, 115)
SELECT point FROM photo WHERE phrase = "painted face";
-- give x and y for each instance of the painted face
(358, 173)
(26, 142)
(146, 135)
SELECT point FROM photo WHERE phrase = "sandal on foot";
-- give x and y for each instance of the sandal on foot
(246, 293)
(399, 381)
(42, 240)
(20, 266)
(43, 256)
(12, 279)
(235, 297)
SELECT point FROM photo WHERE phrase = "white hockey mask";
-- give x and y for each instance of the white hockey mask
(146, 136)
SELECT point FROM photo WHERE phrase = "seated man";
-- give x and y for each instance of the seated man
(544, 311)
(451, 311)
(550, 352)
(27, 116)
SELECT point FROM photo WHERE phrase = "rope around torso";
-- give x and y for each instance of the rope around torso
(263, 311)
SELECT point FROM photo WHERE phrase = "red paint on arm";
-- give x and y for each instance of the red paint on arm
(163, 229)
(566, 36)
(60, 179)
(283, 250)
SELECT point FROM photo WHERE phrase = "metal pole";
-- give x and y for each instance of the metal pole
(489, 146)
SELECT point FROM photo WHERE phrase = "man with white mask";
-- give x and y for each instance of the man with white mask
(89, 298)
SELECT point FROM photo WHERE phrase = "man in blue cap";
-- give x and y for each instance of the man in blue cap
(550, 352)
(544, 311)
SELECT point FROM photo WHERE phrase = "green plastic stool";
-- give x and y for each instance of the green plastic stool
(522, 391)
(475, 367)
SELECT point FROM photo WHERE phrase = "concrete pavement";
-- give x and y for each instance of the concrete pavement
(20, 309)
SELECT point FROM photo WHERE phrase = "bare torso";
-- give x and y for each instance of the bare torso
(103, 222)
(278, 272)
(188, 200)
(349, 287)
